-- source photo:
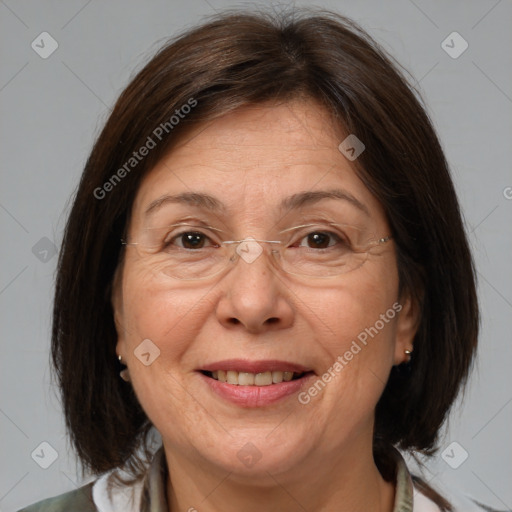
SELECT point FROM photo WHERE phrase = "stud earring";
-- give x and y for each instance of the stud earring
(124, 373)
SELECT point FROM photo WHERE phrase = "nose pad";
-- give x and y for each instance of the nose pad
(249, 250)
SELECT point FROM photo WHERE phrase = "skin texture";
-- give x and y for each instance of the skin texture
(313, 457)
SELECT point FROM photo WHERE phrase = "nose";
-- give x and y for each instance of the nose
(254, 296)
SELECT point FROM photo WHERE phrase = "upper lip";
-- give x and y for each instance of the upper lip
(245, 365)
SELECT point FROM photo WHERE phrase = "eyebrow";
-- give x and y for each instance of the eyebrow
(292, 202)
(307, 198)
(204, 201)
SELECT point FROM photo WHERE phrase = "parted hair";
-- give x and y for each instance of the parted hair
(233, 60)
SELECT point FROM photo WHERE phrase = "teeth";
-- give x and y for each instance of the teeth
(277, 377)
(232, 377)
(263, 379)
(245, 379)
(253, 379)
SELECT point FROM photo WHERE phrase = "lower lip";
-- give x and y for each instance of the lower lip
(256, 396)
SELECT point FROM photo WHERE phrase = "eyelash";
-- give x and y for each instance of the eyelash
(340, 239)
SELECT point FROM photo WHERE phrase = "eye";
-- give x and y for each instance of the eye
(188, 240)
(321, 240)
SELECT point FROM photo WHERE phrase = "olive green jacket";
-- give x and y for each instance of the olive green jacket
(79, 500)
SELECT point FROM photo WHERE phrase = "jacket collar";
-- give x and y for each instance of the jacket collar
(154, 499)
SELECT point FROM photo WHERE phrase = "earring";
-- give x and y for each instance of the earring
(124, 373)
(403, 370)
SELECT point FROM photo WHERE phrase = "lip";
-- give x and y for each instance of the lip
(255, 396)
(244, 365)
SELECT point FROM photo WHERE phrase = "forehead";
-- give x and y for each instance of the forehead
(255, 158)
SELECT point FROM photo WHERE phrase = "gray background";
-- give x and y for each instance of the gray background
(51, 110)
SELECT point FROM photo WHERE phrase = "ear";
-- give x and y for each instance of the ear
(409, 315)
(116, 299)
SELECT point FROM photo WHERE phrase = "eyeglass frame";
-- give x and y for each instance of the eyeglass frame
(231, 243)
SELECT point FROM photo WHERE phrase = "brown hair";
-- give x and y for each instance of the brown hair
(239, 59)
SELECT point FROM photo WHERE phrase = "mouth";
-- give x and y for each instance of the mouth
(255, 383)
(239, 378)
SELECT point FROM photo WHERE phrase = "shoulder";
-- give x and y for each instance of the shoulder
(422, 503)
(414, 494)
(458, 501)
(108, 493)
(79, 500)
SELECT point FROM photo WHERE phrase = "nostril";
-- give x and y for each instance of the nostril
(234, 321)
(272, 320)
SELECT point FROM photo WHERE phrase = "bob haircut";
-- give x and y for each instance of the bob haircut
(235, 60)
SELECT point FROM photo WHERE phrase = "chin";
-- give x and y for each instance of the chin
(258, 455)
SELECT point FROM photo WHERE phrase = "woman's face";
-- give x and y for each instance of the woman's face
(256, 170)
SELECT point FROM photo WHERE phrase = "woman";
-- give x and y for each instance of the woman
(265, 261)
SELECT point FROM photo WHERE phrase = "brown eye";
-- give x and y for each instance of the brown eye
(189, 240)
(193, 240)
(318, 240)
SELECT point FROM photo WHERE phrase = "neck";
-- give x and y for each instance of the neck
(348, 482)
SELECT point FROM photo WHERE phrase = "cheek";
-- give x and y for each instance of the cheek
(356, 326)
(171, 317)
(348, 309)
(155, 307)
